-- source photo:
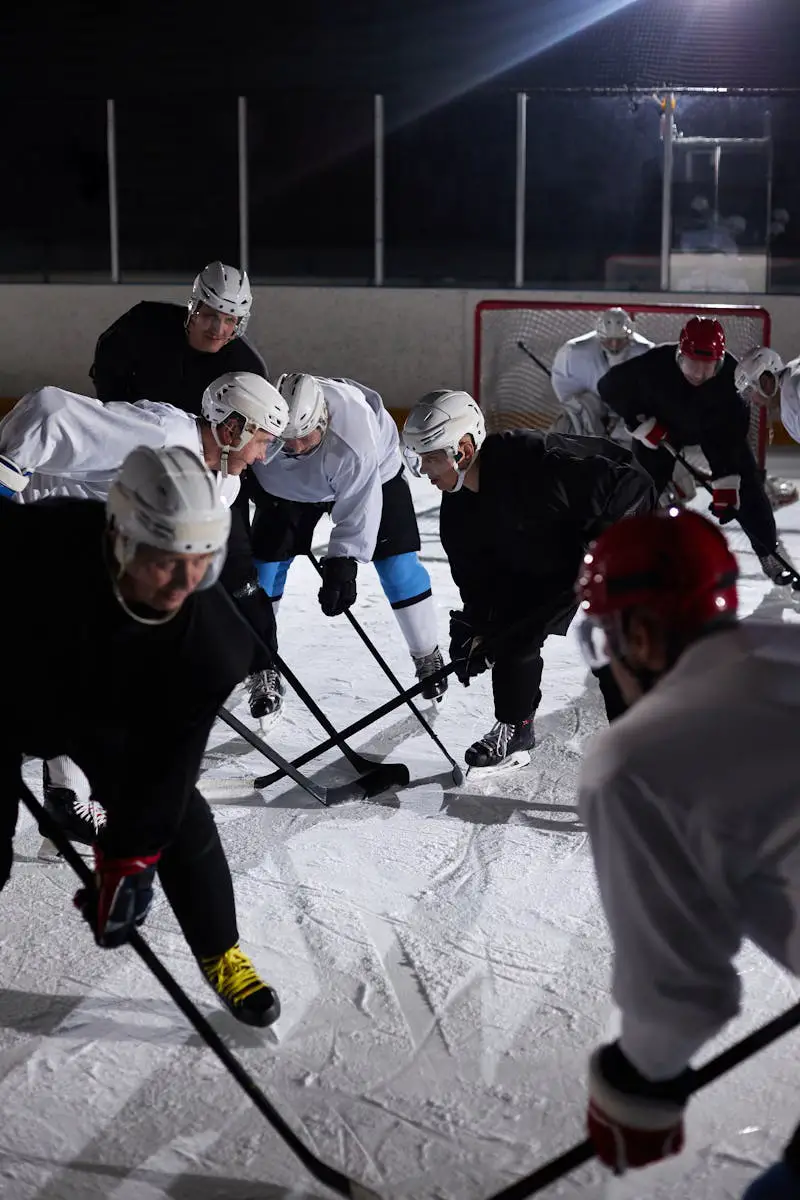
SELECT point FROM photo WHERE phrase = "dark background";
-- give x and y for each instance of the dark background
(448, 70)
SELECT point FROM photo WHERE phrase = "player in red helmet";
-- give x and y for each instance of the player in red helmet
(690, 800)
(684, 394)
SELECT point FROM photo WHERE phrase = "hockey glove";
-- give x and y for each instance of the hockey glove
(725, 498)
(466, 649)
(633, 1121)
(650, 433)
(338, 591)
(123, 893)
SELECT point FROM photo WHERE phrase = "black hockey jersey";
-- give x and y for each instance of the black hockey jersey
(712, 416)
(131, 704)
(145, 355)
(515, 546)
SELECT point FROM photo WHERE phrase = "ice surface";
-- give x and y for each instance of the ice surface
(440, 954)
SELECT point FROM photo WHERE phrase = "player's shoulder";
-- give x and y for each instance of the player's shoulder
(151, 316)
(51, 399)
(583, 343)
(241, 355)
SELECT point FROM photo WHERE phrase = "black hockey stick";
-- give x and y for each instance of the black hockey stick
(381, 778)
(457, 773)
(326, 1175)
(705, 482)
(526, 350)
(394, 774)
(756, 1041)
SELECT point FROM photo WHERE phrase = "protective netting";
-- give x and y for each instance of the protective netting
(514, 390)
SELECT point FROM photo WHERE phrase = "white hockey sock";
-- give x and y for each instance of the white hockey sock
(418, 625)
(67, 774)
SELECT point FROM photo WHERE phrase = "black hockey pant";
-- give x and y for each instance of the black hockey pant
(516, 685)
(755, 512)
(240, 579)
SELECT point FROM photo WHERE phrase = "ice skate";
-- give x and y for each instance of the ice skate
(505, 747)
(234, 979)
(79, 820)
(427, 665)
(266, 692)
(780, 492)
(774, 570)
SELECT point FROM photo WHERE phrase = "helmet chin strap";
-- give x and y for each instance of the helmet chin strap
(461, 473)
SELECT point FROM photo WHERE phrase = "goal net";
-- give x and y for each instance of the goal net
(514, 390)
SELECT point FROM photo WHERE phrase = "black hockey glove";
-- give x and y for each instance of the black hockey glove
(466, 648)
(338, 591)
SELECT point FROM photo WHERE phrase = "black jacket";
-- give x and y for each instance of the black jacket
(145, 355)
(515, 546)
(132, 704)
(712, 416)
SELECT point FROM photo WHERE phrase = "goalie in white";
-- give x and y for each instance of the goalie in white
(578, 366)
(59, 443)
(763, 379)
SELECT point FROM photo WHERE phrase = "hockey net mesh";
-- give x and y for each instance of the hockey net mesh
(515, 393)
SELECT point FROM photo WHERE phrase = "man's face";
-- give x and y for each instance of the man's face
(209, 330)
(162, 580)
(767, 384)
(297, 447)
(614, 345)
(440, 469)
(697, 371)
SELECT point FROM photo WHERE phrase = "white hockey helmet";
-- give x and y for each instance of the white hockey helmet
(614, 325)
(224, 289)
(244, 394)
(167, 499)
(757, 362)
(308, 409)
(438, 422)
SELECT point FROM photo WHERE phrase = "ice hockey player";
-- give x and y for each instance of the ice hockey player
(581, 362)
(132, 662)
(161, 352)
(341, 455)
(685, 395)
(518, 511)
(762, 378)
(690, 800)
(59, 443)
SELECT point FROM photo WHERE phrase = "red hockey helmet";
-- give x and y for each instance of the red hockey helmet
(672, 561)
(702, 338)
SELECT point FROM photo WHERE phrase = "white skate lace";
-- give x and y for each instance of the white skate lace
(263, 683)
(498, 737)
(89, 810)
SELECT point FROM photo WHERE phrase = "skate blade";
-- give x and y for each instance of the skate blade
(520, 758)
(50, 853)
(269, 721)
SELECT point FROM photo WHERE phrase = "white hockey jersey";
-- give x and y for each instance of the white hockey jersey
(692, 802)
(359, 453)
(73, 445)
(581, 362)
(790, 398)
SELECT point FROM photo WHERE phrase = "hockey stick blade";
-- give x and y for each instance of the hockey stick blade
(321, 1171)
(381, 778)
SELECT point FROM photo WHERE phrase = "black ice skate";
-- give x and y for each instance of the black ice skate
(266, 691)
(79, 820)
(427, 665)
(504, 748)
(234, 979)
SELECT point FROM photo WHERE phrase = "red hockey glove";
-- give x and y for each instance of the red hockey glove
(725, 498)
(650, 433)
(121, 899)
(632, 1121)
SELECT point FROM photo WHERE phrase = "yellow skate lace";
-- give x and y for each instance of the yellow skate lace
(232, 975)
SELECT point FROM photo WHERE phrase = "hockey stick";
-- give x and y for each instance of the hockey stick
(381, 778)
(394, 774)
(756, 1041)
(538, 361)
(705, 482)
(325, 1174)
(457, 773)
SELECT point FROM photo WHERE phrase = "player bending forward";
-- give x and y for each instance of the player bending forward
(762, 378)
(690, 800)
(581, 363)
(341, 455)
(517, 513)
(58, 443)
(685, 395)
(132, 664)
